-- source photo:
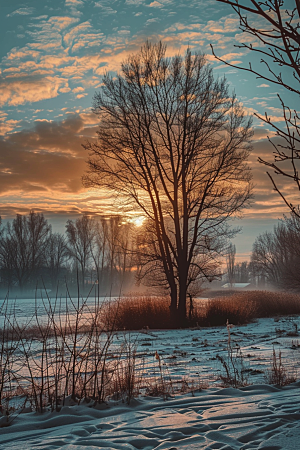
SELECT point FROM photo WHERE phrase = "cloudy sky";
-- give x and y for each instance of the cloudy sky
(53, 53)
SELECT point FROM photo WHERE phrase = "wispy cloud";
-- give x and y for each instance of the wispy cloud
(227, 24)
(105, 10)
(160, 4)
(74, 2)
(26, 11)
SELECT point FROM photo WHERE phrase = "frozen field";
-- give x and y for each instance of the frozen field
(256, 416)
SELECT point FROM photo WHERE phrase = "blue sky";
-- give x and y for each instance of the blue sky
(53, 54)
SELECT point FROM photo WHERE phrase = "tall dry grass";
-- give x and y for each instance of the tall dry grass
(243, 307)
(239, 308)
(74, 356)
(65, 358)
(135, 313)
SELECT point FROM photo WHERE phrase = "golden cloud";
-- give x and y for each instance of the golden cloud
(20, 90)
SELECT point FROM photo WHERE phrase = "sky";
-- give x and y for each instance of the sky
(52, 56)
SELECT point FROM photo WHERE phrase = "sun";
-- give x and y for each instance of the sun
(138, 220)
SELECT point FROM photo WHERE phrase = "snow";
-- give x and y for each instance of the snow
(255, 416)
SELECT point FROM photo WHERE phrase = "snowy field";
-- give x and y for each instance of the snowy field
(25, 308)
(255, 416)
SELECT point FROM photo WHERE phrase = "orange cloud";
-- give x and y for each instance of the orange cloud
(18, 91)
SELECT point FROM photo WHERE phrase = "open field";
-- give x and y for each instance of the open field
(73, 382)
(254, 417)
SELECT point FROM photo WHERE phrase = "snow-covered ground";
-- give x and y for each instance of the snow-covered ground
(256, 416)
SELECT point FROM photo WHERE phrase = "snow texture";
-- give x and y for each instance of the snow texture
(253, 417)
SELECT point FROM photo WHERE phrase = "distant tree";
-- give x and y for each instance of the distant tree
(114, 224)
(99, 251)
(243, 272)
(265, 257)
(56, 256)
(276, 255)
(23, 249)
(274, 24)
(230, 263)
(124, 254)
(173, 141)
(80, 240)
(111, 251)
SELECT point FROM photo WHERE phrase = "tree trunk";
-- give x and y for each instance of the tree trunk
(173, 305)
(182, 305)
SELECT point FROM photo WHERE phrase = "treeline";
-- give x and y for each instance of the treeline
(91, 251)
(276, 255)
(275, 259)
(106, 252)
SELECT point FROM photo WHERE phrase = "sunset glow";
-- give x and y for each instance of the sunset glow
(53, 55)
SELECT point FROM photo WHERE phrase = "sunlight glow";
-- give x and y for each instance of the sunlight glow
(138, 221)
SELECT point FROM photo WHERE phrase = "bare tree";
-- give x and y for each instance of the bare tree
(125, 250)
(111, 251)
(265, 258)
(173, 141)
(205, 264)
(276, 255)
(114, 224)
(230, 262)
(243, 272)
(278, 33)
(80, 240)
(57, 255)
(23, 249)
(99, 250)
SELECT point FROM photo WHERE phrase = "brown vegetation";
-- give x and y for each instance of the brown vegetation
(242, 307)
(135, 313)
(239, 308)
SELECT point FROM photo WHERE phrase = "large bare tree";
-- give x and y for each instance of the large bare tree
(173, 141)
(275, 26)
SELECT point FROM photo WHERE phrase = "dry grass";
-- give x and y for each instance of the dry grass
(277, 374)
(71, 355)
(234, 308)
(135, 313)
(242, 307)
